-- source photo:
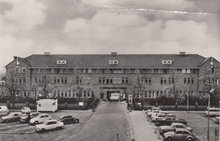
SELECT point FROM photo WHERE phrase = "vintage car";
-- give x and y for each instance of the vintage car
(49, 125)
(158, 116)
(25, 118)
(173, 127)
(3, 110)
(217, 120)
(40, 118)
(25, 110)
(169, 119)
(179, 135)
(154, 110)
(68, 119)
(12, 117)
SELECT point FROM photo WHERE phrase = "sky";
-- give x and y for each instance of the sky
(104, 26)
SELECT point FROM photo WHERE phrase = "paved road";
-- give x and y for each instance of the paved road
(109, 123)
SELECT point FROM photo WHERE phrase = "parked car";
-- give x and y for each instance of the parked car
(212, 112)
(3, 110)
(169, 119)
(173, 127)
(49, 125)
(154, 110)
(217, 120)
(67, 119)
(179, 135)
(148, 112)
(40, 118)
(26, 110)
(158, 116)
(25, 118)
(15, 116)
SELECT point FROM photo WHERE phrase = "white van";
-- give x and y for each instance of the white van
(3, 110)
(213, 111)
(47, 105)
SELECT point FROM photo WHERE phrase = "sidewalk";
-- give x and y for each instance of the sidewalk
(142, 128)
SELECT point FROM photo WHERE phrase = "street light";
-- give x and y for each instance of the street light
(210, 92)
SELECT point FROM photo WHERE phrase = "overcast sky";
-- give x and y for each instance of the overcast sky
(102, 26)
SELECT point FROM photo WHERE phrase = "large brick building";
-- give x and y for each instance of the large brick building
(140, 75)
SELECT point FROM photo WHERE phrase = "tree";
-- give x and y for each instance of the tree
(139, 89)
(13, 86)
(45, 87)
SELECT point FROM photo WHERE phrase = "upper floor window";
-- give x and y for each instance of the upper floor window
(113, 62)
(166, 61)
(61, 61)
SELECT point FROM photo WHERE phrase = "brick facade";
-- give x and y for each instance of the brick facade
(128, 78)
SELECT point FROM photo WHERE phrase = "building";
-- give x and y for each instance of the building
(144, 76)
(2, 88)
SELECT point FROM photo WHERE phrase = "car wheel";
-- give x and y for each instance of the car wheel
(190, 139)
(43, 130)
(36, 122)
(169, 139)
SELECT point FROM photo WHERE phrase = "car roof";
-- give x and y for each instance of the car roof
(182, 129)
(62, 116)
(15, 113)
(177, 123)
(51, 120)
(155, 108)
(43, 114)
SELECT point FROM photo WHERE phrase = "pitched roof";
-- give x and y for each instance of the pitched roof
(125, 60)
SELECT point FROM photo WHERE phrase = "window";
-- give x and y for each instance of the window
(161, 80)
(61, 61)
(113, 62)
(188, 80)
(149, 80)
(23, 70)
(192, 80)
(166, 61)
(184, 80)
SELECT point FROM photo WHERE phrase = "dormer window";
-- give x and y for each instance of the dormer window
(61, 61)
(113, 61)
(166, 61)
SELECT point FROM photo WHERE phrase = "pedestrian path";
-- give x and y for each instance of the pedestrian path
(142, 128)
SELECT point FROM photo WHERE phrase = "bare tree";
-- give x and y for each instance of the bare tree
(13, 85)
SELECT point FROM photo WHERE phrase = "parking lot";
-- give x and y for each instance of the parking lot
(198, 122)
(25, 132)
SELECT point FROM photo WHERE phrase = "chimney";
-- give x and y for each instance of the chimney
(182, 53)
(113, 53)
(16, 59)
(46, 53)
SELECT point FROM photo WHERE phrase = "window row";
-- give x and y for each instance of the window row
(189, 81)
(19, 69)
(155, 94)
(20, 80)
(113, 71)
(116, 80)
(72, 93)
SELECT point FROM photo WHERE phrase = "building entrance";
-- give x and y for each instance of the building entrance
(110, 97)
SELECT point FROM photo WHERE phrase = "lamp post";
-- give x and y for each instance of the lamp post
(208, 118)
(187, 102)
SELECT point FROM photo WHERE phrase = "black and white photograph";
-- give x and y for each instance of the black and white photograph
(109, 70)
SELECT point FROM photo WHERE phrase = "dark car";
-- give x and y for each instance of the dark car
(179, 135)
(169, 119)
(68, 119)
(12, 117)
(25, 118)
